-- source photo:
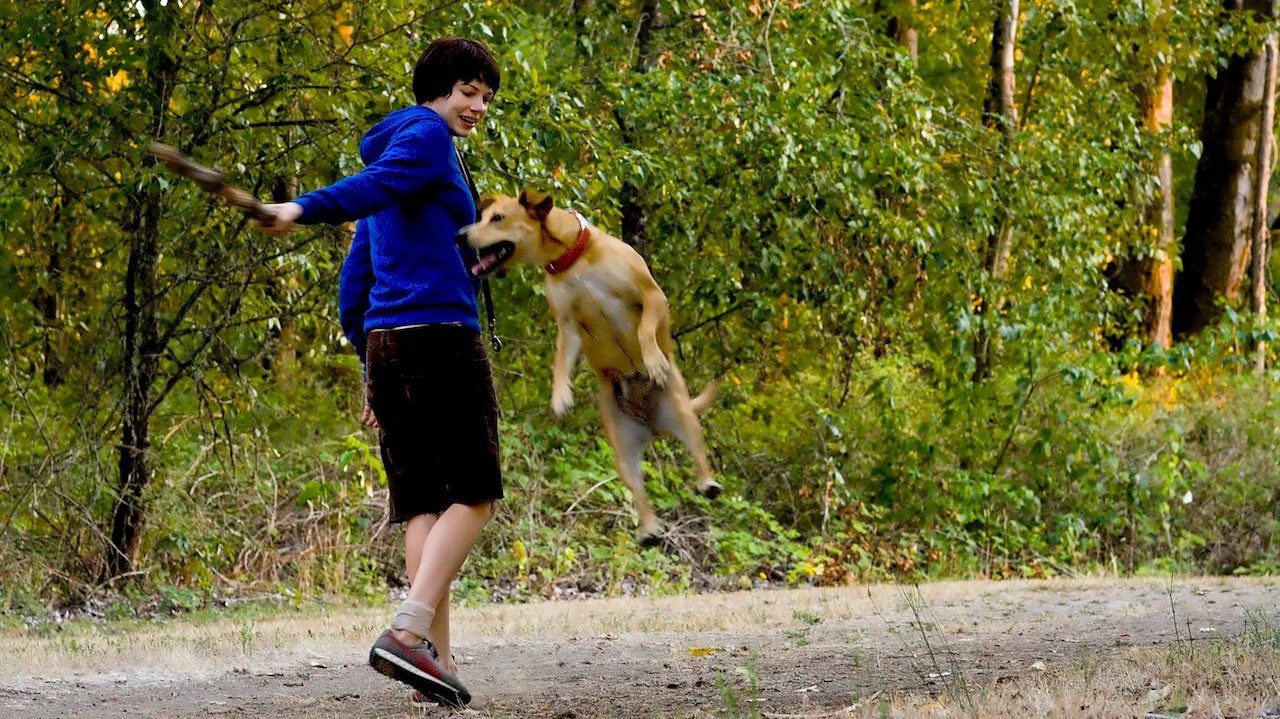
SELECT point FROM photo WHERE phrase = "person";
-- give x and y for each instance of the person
(409, 307)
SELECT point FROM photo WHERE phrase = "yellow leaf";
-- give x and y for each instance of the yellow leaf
(345, 31)
(118, 81)
(703, 651)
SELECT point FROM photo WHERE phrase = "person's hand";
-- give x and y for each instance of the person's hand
(367, 415)
(285, 213)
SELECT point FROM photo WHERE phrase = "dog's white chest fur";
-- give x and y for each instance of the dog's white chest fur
(592, 297)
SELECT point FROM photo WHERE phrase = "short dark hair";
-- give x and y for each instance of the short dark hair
(450, 60)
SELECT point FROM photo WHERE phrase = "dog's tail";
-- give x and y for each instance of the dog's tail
(704, 400)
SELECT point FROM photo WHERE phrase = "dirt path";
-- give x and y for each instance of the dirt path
(776, 652)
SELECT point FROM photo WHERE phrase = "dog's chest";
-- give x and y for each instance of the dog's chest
(595, 300)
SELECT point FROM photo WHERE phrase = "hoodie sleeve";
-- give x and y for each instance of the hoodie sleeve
(354, 283)
(415, 157)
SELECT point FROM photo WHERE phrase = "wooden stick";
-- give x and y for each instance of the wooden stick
(211, 180)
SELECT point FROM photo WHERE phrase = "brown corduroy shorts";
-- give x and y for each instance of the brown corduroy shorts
(431, 389)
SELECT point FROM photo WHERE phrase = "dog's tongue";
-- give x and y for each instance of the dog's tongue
(484, 264)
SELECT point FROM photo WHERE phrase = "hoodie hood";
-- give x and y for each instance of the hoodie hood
(375, 140)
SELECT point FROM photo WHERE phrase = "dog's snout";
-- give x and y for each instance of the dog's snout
(462, 238)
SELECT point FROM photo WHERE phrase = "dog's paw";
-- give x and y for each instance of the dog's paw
(561, 401)
(658, 368)
(651, 538)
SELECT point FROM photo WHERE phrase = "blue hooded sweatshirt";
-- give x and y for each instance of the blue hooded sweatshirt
(403, 267)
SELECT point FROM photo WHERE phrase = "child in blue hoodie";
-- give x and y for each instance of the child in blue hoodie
(408, 305)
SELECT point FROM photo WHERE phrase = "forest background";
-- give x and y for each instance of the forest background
(985, 285)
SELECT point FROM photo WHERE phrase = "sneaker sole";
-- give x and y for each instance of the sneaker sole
(432, 688)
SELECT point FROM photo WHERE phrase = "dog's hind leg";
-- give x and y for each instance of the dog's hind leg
(629, 440)
(676, 416)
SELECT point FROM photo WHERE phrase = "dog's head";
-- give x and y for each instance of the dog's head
(511, 230)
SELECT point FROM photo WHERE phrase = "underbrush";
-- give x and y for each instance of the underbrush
(1122, 462)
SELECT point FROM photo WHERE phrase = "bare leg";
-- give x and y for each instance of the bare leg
(447, 543)
(415, 536)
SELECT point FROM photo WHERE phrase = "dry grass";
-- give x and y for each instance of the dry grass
(186, 648)
(1222, 678)
(1237, 677)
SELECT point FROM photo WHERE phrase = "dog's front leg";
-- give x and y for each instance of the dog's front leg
(568, 344)
(652, 315)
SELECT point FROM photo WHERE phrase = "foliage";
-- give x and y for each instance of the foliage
(815, 205)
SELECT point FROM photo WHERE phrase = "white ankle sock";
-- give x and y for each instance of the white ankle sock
(414, 617)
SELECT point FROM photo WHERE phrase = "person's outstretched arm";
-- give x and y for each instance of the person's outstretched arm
(415, 158)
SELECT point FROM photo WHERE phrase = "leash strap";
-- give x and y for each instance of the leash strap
(494, 342)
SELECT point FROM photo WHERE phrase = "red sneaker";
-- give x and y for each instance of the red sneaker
(417, 666)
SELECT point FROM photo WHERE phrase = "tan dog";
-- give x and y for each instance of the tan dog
(607, 306)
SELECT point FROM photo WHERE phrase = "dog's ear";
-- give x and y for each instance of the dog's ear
(537, 202)
(485, 202)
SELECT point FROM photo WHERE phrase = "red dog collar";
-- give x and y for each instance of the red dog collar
(565, 261)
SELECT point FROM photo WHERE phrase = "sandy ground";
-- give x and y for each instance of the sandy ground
(810, 652)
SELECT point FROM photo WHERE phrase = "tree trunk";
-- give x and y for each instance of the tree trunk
(141, 337)
(48, 303)
(1000, 113)
(631, 202)
(1150, 274)
(1216, 244)
(899, 27)
(141, 362)
(1261, 246)
(284, 333)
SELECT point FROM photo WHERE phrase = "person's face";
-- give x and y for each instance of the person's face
(464, 107)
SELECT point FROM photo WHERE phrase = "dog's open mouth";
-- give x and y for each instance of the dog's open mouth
(492, 258)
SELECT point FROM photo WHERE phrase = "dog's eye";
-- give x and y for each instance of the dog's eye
(496, 218)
